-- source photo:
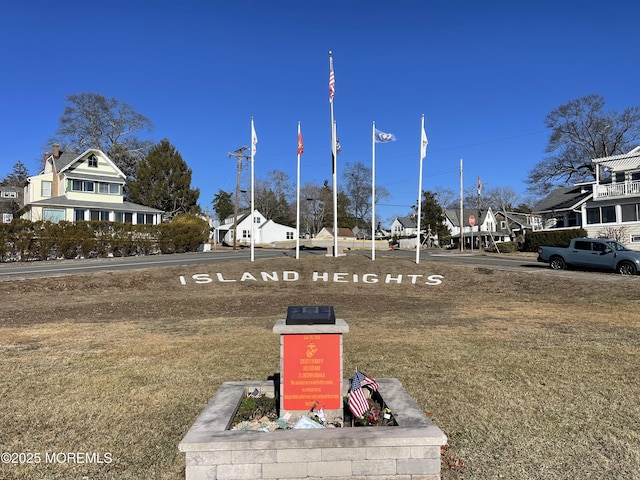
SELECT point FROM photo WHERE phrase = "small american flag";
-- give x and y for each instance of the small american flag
(358, 403)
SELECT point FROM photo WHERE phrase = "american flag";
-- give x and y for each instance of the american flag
(358, 403)
(332, 81)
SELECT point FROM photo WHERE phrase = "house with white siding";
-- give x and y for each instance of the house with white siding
(265, 231)
(607, 207)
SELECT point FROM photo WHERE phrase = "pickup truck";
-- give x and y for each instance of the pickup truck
(596, 253)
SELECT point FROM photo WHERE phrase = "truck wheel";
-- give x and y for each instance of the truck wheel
(626, 268)
(557, 263)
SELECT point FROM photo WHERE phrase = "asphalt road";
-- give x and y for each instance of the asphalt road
(505, 262)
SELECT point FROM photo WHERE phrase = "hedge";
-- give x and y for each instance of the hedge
(558, 238)
(22, 240)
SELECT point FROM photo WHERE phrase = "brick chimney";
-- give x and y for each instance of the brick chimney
(56, 150)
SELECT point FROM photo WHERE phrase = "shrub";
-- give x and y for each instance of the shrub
(557, 238)
(185, 233)
(503, 247)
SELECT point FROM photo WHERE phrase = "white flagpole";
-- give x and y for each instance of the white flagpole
(298, 202)
(335, 190)
(422, 153)
(253, 150)
(373, 191)
(461, 220)
(334, 152)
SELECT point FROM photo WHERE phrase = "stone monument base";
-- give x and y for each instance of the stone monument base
(410, 450)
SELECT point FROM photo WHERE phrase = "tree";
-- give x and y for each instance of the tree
(272, 197)
(223, 204)
(582, 130)
(163, 181)
(91, 120)
(433, 217)
(18, 176)
(357, 188)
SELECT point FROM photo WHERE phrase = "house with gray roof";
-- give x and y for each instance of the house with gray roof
(404, 227)
(485, 227)
(607, 207)
(86, 186)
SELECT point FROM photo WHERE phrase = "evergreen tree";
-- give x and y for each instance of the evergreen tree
(18, 177)
(433, 218)
(223, 204)
(163, 181)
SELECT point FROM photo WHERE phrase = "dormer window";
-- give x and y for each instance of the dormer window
(92, 161)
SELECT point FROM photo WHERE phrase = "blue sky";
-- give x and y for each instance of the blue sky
(484, 74)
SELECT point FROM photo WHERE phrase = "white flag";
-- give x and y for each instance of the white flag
(254, 139)
(425, 142)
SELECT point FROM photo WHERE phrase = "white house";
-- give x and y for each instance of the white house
(606, 207)
(404, 227)
(88, 186)
(265, 231)
(486, 225)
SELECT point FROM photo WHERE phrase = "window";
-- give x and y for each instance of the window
(9, 194)
(124, 217)
(144, 218)
(256, 219)
(601, 215)
(246, 233)
(82, 186)
(53, 215)
(7, 217)
(289, 235)
(78, 214)
(99, 215)
(93, 161)
(46, 188)
(503, 225)
(630, 213)
(582, 245)
(635, 238)
(109, 188)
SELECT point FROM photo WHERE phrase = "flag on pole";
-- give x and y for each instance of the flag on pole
(358, 403)
(300, 142)
(425, 142)
(254, 139)
(382, 137)
(332, 80)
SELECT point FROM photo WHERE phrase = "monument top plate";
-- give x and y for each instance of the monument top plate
(310, 315)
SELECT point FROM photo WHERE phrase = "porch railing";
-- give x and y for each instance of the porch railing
(623, 189)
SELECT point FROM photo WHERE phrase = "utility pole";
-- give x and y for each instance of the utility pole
(239, 156)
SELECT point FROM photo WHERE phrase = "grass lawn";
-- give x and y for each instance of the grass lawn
(531, 375)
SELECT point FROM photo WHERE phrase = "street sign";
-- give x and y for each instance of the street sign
(472, 220)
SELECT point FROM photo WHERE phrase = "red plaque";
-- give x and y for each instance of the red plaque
(311, 371)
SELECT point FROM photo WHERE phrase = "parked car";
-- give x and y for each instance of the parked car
(596, 253)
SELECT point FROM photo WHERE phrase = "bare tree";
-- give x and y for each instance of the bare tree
(582, 130)
(357, 188)
(315, 206)
(91, 120)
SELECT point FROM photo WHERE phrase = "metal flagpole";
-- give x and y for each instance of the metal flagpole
(423, 153)
(461, 220)
(334, 154)
(373, 191)
(254, 141)
(298, 196)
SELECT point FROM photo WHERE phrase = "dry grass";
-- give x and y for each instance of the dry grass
(532, 376)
